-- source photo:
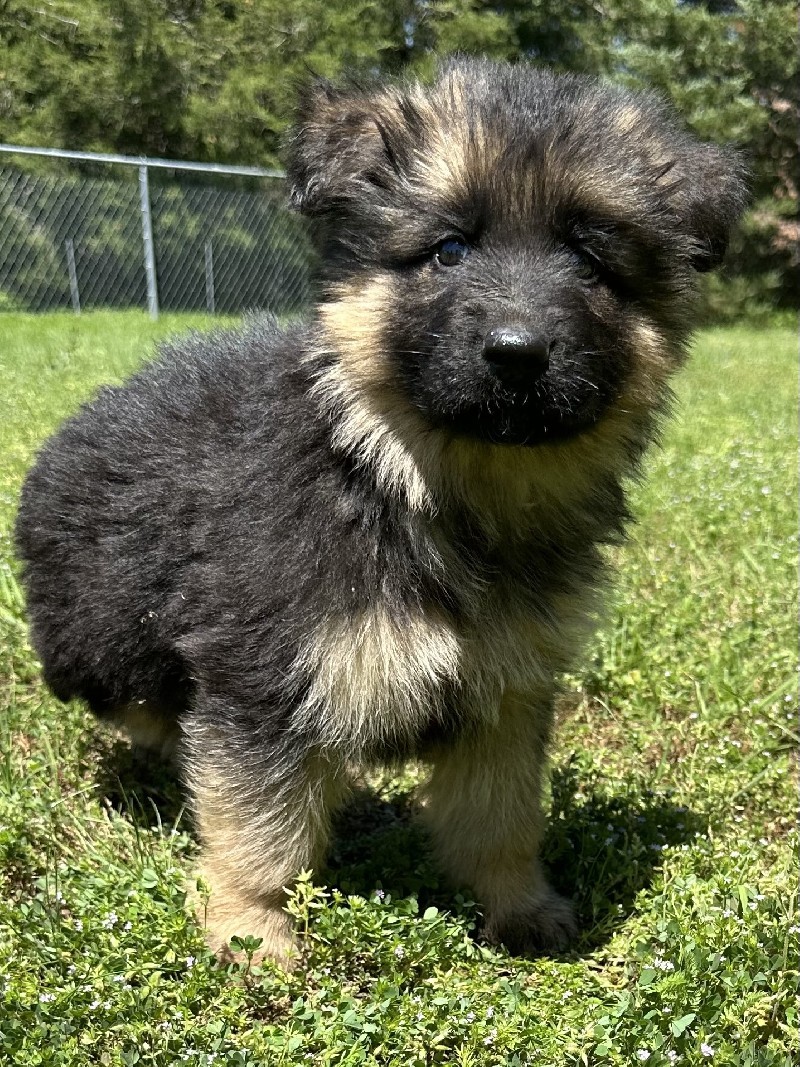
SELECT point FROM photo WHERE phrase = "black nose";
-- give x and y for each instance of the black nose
(517, 349)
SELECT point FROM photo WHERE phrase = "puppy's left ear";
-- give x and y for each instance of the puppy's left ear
(710, 194)
(337, 141)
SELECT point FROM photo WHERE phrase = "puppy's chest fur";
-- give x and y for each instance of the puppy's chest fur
(394, 678)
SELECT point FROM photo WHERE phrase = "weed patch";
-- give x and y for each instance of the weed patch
(671, 826)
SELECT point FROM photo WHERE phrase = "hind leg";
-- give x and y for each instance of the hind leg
(483, 808)
(262, 817)
(149, 728)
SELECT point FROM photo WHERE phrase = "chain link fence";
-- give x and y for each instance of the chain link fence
(80, 230)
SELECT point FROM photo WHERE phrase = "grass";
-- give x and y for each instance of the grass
(672, 812)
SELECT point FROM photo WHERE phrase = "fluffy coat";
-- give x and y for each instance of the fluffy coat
(379, 535)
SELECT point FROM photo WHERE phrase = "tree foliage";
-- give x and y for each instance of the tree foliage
(216, 79)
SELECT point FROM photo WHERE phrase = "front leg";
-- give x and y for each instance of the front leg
(483, 807)
(263, 815)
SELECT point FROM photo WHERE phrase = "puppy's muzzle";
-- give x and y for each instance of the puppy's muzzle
(515, 354)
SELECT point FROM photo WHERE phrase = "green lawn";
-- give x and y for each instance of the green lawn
(673, 800)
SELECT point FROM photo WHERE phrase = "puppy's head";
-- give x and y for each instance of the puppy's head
(509, 252)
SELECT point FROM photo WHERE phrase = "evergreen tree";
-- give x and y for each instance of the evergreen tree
(217, 79)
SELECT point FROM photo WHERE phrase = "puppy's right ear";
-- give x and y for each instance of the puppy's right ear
(336, 142)
(710, 196)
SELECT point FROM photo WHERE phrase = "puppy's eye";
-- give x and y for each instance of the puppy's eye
(451, 252)
(587, 266)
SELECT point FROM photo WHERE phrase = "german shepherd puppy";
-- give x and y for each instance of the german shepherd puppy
(378, 536)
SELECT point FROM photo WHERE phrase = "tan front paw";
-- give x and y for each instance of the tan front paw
(259, 927)
(544, 925)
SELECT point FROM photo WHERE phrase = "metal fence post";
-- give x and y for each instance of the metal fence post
(149, 248)
(74, 292)
(210, 296)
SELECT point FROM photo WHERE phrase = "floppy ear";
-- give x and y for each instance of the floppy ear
(338, 140)
(709, 195)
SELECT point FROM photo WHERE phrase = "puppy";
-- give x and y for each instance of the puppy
(378, 536)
